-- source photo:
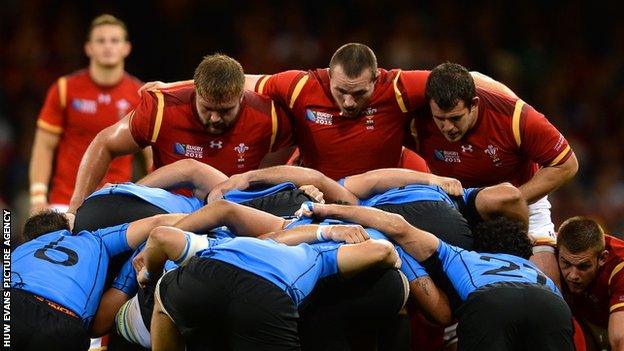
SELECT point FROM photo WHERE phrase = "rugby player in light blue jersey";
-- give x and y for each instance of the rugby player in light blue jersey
(502, 300)
(57, 278)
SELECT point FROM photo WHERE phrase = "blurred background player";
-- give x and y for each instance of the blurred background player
(483, 138)
(592, 269)
(77, 107)
(213, 120)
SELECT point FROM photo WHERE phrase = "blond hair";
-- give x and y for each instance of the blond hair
(107, 19)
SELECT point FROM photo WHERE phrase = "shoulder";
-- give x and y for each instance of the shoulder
(132, 80)
(498, 103)
(180, 95)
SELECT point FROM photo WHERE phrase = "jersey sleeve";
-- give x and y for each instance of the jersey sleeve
(616, 289)
(409, 266)
(329, 252)
(142, 119)
(410, 87)
(114, 239)
(280, 86)
(282, 130)
(126, 280)
(52, 115)
(540, 140)
(411, 160)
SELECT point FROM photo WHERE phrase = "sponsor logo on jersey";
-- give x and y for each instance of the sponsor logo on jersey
(186, 150)
(492, 151)
(122, 107)
(84, 105)
(319, 117)
(104, 99)
(447, 156)
(216, 144)
(240, 151)
(467, 148)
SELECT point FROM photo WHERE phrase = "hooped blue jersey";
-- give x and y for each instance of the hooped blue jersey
(68, 269)
(170, 202)
(470, 270)
(294, 269)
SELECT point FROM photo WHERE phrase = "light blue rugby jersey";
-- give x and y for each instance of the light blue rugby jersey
(170, 202)
(469, 270)
(68, 269)
(126, 280)
(294, 269)
(239, 196)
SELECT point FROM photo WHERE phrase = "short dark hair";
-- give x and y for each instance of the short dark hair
(44, 222)
(219, 78)
(448, 84)
(107, 19)
(578, 234)
(354, 58)
(503, 235)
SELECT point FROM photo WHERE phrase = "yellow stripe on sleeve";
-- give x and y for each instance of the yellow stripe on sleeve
(49, 127)
(62, 87)
(397, 93)
(615, 271)
(561, 155)
(263, 81)
(274, 125)
(297, 90)
(159, 114)
(616, 306)
(516, 121)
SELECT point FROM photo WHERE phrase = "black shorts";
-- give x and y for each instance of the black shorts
(436, 217)
(351, 312)
(282, 204)
(37, 326)
(515, 316)
(218, 306)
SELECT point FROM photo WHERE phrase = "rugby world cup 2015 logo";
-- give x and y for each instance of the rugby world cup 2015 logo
(447, 156)
(240, 151)
(187, 150)
(318, 117)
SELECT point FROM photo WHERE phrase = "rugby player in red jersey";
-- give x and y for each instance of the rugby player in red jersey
(212, 120)
(482, 137)
(592, 267)
(77, 107)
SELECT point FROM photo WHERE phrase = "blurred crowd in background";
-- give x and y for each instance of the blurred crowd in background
(564, 58)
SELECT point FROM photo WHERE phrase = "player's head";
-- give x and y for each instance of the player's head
(107, 42)
(451, 95)
(503, 235)
(219, 83)
(44, 222)
(581, 245)
(352, 76)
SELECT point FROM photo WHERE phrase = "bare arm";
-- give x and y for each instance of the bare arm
(111, 302)
(418, 243)
(276, 158)
(355, 258)
(111, 142)
(485, 82)
(431, 300)
(350, 234)
(300, 176)
(548, 179)
(139, 230)
(379, 180)
(250, 83)
(502, 200)
(148, 158)
(616, 331)
(40, 169)
(240, 219)
(185, 173)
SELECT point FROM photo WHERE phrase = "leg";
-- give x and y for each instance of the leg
(164, 333)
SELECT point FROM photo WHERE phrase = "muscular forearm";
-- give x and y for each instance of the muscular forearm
(294, 236)
(548, 179)
(40, 169)
(380, 180)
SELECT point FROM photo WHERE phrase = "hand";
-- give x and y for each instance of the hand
(451, 186)
(138, 262)
(143, 277)
(237, 181)
(348, 233)
(313, 192)
(152, 86)
(71, 218)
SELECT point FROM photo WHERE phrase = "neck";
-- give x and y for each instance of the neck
(475, 116)
(106, 76)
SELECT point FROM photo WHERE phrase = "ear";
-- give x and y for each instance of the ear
(602, 258)
(127, 48)
(475, 102)
(87, 48)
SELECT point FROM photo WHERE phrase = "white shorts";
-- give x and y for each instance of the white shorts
(541, 227)
(130, 325)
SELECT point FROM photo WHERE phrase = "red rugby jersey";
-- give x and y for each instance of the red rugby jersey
(168, 121)
(338, 146)
(78, 109)
(606, 294)
(508, 143)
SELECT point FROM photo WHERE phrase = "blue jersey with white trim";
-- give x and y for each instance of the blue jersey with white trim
(68, 269)
(170, 202)
(126, 280)
(294, 269)
(239, 196)
(470, 270)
